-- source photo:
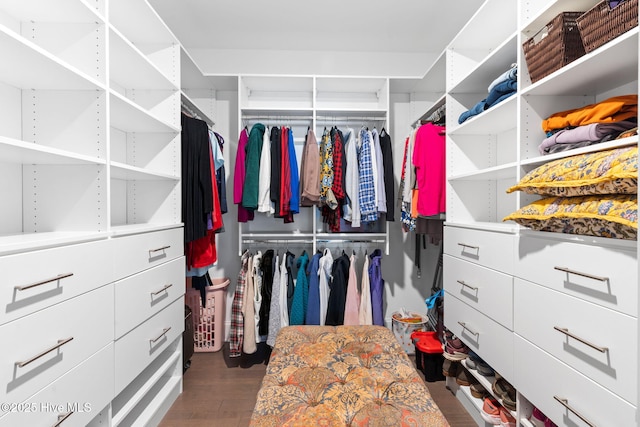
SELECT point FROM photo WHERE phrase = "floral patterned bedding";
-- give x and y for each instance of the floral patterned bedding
(342, 376)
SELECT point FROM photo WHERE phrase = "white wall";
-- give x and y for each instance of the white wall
(402, 286)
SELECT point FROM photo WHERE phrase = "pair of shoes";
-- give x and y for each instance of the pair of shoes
(491, 411)
(472, 360)
(506, 419)
(484, 369)
(539, 419)
(454, 348)
(465, 378)
(505, 392)
(450, 368)
(478, 390)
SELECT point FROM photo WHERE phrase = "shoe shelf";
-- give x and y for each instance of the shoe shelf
(487, 383)
(473, 405)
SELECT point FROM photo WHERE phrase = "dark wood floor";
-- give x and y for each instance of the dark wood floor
(217, 393)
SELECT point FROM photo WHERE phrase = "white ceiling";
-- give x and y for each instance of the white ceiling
(415, 27)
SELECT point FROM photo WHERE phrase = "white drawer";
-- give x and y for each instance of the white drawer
(87, 319)
(614, 286)
(493, 342)
(70, 393)
(142, 295)
(616, 368)
(540, 377)
(35, 280)
(138, 348)
(488, 291)
(488, 248)
(141, 251)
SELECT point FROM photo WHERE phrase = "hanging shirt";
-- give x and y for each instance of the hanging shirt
(236, 331)
(301, 292)
(352, 303)
(294, 204)
(252, 167)
(365, 316)
(276, 159)
(310, 171)
(238, 177)
(249, 341)
(387, 161)
(377, 288)
(257, 293)
(381, 194)
(264, 185)
(285, 177)
(366, 192)
(324, 278)
(313, 302)
(326, 168)
(429, 160)
(352, 206)
(284, 281)
(338, 292)
(267, 290)
(274, 310)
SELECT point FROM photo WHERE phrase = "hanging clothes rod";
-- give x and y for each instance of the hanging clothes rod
(192, 110)
(331, 119)
(276, 117)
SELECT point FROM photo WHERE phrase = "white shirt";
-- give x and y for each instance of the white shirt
(324, 271)
(264, 196)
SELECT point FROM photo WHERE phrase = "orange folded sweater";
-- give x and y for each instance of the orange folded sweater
(613, 109)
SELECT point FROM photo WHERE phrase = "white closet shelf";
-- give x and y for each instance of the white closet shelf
(22, 242)
(35, 68)
(139, 22)
(554, 8)
(496, 63)
(130, 117)
(437, 104)
(506, 171)
(131, 69)
(477, 35)
(21, 152)
(130, 229)
(133, 173)
(487, 383)
(274, 113)
(351, 112)
(592, 73)
(540, 160)
(495, 120)
(350, 84)
(61, 11)
(431, 82)
(351, 237)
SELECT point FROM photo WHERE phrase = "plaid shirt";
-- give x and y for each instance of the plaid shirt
(366, 191)
(236, 334)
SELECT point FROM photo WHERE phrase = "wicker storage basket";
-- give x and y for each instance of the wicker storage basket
(601, 24)
(554, 46)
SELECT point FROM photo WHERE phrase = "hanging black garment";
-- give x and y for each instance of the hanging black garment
(276, 153)
(197, 187)
(338, 291)
(200, 283)
(290, 277)
(387, 164)
(267, 286)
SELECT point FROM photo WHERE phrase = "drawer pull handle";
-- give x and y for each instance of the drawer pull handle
(49, 350)
(582, 340)
(153, 251)
(590, 276)
(565, 403)
(462, 282)
(464, 245)
(164, 332)
(62, 418)
(43, 282)
(162, 290)
(471, 331)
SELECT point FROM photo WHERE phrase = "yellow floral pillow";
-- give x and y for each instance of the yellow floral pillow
(604, 172)
(614, 216)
